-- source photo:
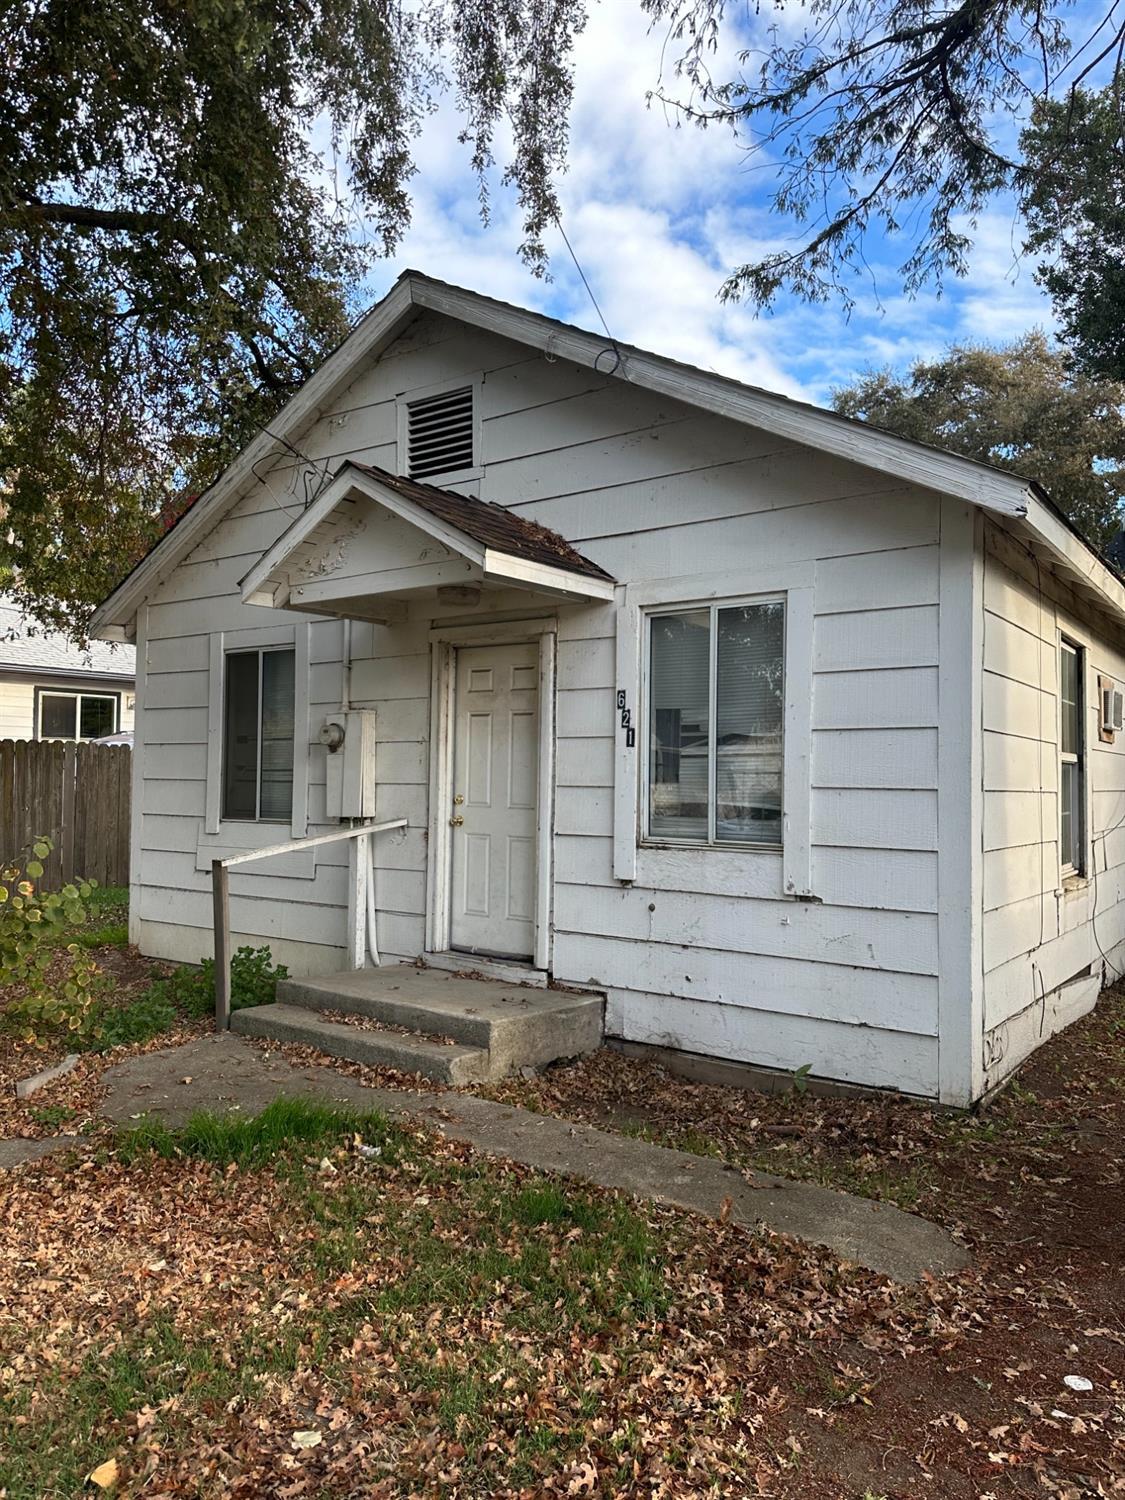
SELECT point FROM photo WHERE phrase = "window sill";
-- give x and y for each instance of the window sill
(724, 848)
(1074, 884)
(228, 822)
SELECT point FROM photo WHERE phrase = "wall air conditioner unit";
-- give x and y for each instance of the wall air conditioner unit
(1112, 707)
(349, 737)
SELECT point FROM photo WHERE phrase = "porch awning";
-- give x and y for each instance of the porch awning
(373, 540)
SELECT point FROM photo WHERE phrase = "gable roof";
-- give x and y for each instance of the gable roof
(28, 647)
(491, 525)
(506, 548)
(993, 489)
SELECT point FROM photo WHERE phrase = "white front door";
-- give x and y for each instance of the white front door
(495, 777)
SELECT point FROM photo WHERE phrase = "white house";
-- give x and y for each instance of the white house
(797, 741)
(52, 689)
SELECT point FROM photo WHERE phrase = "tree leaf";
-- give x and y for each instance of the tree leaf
(105, 1475)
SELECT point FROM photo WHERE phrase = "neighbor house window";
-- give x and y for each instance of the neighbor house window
(715, 695)
(1072, 760)
(76, 716)
(258, 735)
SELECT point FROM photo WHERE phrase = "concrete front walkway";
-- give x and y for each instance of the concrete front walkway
(225, 1072)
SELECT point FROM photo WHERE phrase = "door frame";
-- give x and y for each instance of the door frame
(444, 641)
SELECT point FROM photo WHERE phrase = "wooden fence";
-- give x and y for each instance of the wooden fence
(78, 795)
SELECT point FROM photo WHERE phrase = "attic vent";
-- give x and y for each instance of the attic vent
(439, 433)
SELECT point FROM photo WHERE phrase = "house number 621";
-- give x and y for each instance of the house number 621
(626, 719)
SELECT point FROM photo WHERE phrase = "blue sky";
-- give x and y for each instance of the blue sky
(658, 215)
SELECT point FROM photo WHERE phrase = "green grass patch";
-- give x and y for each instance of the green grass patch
(51, 1116)
(904, 1186)
(82, 1417)
(108, 895)
(254, 1140)
(695, 1142)
(531, 1254)
(555, 1253)
(111, 935)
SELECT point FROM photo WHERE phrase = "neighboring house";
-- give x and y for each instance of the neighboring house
(51, 689)
(786, 734)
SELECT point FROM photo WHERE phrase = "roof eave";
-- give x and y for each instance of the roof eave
(1004, 494)
(1072, 555)
(260, 585)
(380, 325)
(933, 468)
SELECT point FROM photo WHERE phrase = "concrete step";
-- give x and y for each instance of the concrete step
(441, 1062)
(517, 1026)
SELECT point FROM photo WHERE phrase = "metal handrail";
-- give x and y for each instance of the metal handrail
(220, 891)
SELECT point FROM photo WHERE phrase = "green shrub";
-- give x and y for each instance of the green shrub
(58, 983)
(185, 989)
(253, 977)
(146, 1017)
(253, 981)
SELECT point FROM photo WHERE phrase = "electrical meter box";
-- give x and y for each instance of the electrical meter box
(350, 740)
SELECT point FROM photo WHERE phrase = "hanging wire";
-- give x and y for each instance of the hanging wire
(617, 355)
(618, 358)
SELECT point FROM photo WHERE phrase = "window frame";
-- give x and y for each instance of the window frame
(261, 652)
(1068, 869)
(647, 837)
(221, 836)
(632, 858)
(405, 399)
(78, 694)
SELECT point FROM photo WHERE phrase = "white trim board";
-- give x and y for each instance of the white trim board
(230, 835)
(796, 584)
(949, 473)
(444, 643)
(495, 565)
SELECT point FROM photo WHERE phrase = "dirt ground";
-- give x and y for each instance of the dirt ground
(1034, 1183)
(850, 1389)
(70, 1105)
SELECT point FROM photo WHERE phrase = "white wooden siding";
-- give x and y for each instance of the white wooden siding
(1048, 943)
(703, 950)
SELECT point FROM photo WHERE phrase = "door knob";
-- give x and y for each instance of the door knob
(456, 822)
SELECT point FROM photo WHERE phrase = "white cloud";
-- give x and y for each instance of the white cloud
(999, 299)
(658, 215)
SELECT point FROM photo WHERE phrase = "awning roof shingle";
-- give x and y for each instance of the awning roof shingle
(490, 525)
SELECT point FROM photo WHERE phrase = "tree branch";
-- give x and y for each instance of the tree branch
(110, 220)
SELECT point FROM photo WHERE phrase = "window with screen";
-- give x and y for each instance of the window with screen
(715, 693)
(258, 724)
(77, 716)
(1072, 761)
